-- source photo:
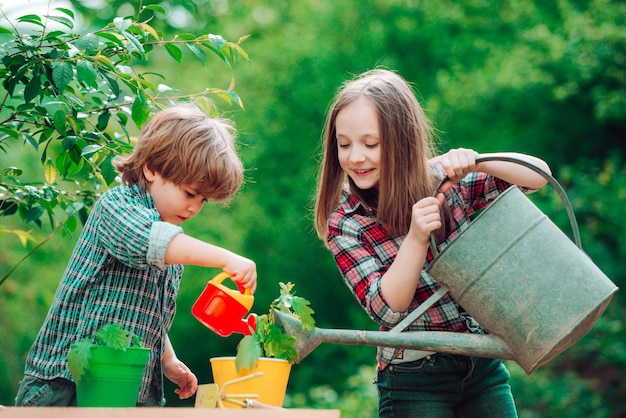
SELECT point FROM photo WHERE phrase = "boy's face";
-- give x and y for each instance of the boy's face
(174, 203)
(358, 142)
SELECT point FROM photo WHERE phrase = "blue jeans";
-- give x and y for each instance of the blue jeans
(38, 392)
(57, 392)
(445, 386)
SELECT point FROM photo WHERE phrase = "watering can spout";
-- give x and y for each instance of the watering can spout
(247, 326)
(307, 340)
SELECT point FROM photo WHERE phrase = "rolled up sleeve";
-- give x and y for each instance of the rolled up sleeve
(161, 234)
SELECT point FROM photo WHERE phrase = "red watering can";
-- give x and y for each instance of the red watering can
(222, 309)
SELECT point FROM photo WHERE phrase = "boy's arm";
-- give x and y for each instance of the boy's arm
(184, 249)
(176, 371)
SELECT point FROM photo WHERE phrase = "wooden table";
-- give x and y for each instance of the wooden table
(52, 412)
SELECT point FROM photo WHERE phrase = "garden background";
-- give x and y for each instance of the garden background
(545, 78)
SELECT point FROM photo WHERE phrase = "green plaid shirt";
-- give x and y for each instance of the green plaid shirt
(117, 273)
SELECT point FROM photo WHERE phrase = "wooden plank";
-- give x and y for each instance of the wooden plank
(58, 412)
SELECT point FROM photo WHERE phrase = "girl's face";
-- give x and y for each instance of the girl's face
(174, 203)
(358, 142)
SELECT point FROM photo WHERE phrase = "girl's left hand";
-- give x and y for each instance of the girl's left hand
(178, 373)
(457, 163)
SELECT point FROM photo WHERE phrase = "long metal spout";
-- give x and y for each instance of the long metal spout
(488, 346)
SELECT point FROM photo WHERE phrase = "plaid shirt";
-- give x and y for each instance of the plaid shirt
(117, 273)
(363, 252)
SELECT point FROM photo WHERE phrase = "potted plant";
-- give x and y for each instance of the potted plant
(263, 362)
(108, 369)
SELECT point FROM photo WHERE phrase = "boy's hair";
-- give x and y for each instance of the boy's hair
(406, 146)
(186, 147)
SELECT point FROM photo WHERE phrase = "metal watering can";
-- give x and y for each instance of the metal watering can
(222, 309)
(530, 287)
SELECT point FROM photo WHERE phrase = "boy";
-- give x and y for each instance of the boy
(127, 264)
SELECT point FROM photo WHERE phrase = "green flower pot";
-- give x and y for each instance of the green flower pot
(113, 378)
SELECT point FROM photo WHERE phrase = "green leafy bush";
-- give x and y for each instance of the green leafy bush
(75, 99)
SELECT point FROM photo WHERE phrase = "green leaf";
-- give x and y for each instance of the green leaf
(12, 171)
(86, 73)
(198, 52)
(103, 120)
(108, 171)
(68, 142)
(60, 119)
(78, 358)
(32, 89)
(34, 19)
(34, 214)
(248, 353)
(113, 335)
(301, 308)
(112, 83)
(134, 44)
(140, 109)
(110, 37)
(156, 8)
(87, 43)
(280, 345)
(174, 52)
(90, 149)
(62, 74)
(62, 20)
(66, 11)
(122, 23)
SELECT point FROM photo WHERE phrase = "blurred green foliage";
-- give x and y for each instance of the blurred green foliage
(546, 78)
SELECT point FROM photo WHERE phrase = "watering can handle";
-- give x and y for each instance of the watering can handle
(223, 275)
(547, 176)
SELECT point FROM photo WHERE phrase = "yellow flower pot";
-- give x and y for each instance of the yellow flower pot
(270, 385)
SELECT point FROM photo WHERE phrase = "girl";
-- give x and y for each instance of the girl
(375, 212)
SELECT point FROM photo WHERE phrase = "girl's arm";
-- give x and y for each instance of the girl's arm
(458, 162)
(515, 173)
(400, 282)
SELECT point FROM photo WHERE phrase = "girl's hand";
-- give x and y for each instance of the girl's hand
(178, 373)
(242, 271)
(457, 163)
(425, 218)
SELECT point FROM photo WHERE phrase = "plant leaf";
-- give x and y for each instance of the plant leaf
(86, 73)
(174, 52)
(280, 345)
(61, 74)
(248, 353)
(78, 358)
(302, 309)
(140, 109)
(50, 172)
(113, 335)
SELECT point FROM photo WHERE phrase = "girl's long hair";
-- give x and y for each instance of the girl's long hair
(406, 146)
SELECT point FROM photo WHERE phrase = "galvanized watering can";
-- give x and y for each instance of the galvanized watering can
(533, 289)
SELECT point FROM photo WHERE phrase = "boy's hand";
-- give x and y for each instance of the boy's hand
(178, 373)
(242, 271)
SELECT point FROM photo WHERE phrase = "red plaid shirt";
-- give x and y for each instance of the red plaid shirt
(364, 252)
